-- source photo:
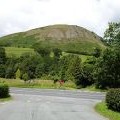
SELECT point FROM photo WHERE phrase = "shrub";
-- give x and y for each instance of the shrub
(4, 90)
(113, 99)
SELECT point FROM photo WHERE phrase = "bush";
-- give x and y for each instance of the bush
(113, 99)
(4, 90)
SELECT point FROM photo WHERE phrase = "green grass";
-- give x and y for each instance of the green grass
(93, 88)
(17, 51)
(83, 57)
(103, 110)
(5, 99)
(38, 84)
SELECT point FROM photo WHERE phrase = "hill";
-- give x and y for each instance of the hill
(70, 38)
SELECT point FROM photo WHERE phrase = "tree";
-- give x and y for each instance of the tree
(87, 76)
(112, 34)
(2, 62)
(65, 66)
(2, 56)
(97, 52)
(2, 71)
(57, 52)
(75, 70)
(107, 70)
(25, 77)
(11, 67)
(28, 65)
(43, 51)
(18, 73)
(40, 70)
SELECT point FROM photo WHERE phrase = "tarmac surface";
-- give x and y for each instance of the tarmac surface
(47, 104)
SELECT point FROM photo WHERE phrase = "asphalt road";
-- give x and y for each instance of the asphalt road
(60, 93)
(39, 104)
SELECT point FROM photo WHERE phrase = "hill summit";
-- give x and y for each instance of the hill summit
(69, 38)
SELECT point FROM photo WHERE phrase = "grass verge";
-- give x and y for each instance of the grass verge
(94, 89)
(103, 110)
(5, 99)
(45, 84)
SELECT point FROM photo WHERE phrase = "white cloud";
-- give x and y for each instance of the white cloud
(21, 15)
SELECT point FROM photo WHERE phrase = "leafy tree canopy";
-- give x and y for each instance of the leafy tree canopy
(112, 34)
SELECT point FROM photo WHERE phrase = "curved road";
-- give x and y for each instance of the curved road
(42, 104)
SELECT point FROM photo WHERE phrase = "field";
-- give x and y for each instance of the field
(38, 84)
(15, 51)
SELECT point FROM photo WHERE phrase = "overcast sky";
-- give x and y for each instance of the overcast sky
(22, 15)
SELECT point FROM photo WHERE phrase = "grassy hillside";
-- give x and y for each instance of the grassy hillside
(69, 38)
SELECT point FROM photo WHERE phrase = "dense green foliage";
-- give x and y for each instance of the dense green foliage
(27, 66)
(2, 56)
(2, 71)
(107, 69)
(87, 74)
(57, 52)
(113, 99)
(97, 52)
(107, 73)
(2, 62)
(42, 51)
(11, 67)
(112, 34)
(4, 90)
(75, 69)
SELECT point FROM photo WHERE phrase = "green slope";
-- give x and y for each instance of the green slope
(69, 38)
